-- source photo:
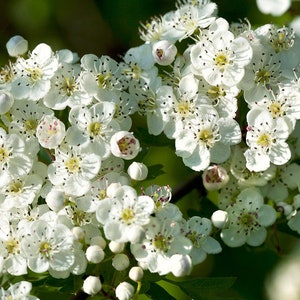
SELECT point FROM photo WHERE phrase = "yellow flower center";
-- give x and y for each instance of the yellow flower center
(45, 249)
(95, 129)
(73, 164)
(127, 215)
(262, 77)
(161, 243)
(265, 140)
(12, 246)
(221, 60)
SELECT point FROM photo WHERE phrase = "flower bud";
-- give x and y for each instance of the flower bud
(124, 291)
(136, 274)
(78, 233)
(55, 199)
(164, 52)
(98, 240)
(116, 247)
(120, 262)
(123, 144)
(181, 265)
(94, 254)
(92, 285)
(16, 46)
(219, 218)
(137, 171)
(6, 102)
(215, 178)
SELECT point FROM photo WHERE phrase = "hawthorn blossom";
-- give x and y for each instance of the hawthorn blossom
(18, 291)
(266, 138)
(221, 58)
(33, 75)
(73, 169)
(48, 247)
(124, 214)
(247, 219)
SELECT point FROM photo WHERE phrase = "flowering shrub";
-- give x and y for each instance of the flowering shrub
(73, 216)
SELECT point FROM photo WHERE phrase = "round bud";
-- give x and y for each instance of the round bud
(219, 218)
(6, 102)
(164, 52)
(116, 247)
(124, 291)
(94, 254)
(123, 144)
(136, 274)
(55, 199)
(78, 233)
(181, 265)
(120, 262)
(92, 285)
(16, 46)
(215, 178)
(137, 171)
(98, 240)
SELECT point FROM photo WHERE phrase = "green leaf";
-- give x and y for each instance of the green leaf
(155, 170)
(156, 292)
(205, 288)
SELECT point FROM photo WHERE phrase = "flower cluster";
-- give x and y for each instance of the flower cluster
(69, 161)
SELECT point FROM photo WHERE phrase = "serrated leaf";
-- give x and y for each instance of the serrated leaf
(195, 288)
(156, 292)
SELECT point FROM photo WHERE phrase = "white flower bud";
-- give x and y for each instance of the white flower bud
(123, 144)
(16, 46)
(164, 52)
(92, 285)
(124, 291)
(120, 262)
(94, 254)
(98, 240)
(136, 274)
(6, 102)
(55, 199)
(78, 233)
(219, 218)
(181, 265)
(137, 171)
(215, 178)
(50, 132)
(116, 247)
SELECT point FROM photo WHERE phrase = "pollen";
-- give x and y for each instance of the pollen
(73, 164)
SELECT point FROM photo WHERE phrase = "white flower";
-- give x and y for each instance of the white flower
(247, 219)
(48, 247)
(124, 291)
(123, 144)
(198, 230)
(163, 239)
(13, 159)
(50, 132)
(18, 291)
(16, 46)
(74, 169)
(34, 74)
(92, 285)
(99, 76)
(266, 138)
(273, 7)
(13, 260)
(189, 18)
(19, 192)
(164, 52)
(206, 139)
(66, 89)
(93, 126)
(124, 214)
(221, 58)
